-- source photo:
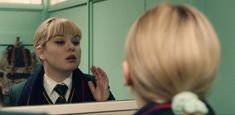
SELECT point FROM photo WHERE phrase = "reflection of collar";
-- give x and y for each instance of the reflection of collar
(49, 85)
(48, 100)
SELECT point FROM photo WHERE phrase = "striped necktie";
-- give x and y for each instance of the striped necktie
(61, 90)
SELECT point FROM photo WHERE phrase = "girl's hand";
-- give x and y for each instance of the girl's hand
(101, 91)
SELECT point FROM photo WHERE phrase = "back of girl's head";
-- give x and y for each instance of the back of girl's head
(171, 49)
(53, 27)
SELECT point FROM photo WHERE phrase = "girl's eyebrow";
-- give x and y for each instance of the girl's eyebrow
(58, 35)
(77, 36)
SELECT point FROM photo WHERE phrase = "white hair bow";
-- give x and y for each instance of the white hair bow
(188, 102)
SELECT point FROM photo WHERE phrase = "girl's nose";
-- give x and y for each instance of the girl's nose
(71, 47)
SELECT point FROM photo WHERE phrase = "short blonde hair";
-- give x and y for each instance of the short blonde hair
(170, 49)
(53, 27)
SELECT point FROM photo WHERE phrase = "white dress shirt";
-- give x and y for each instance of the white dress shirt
(49, 85)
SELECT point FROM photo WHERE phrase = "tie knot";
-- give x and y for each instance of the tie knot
(61, 89)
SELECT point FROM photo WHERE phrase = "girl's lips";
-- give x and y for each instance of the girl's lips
(71, 57)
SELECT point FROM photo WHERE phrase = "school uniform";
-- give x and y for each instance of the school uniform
(32, 91)
(152, 108)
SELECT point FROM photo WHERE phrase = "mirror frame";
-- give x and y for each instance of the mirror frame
(109, 107)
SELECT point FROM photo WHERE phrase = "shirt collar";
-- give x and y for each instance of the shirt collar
(49, 83)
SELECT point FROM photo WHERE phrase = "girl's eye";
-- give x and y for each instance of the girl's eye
(76, 40)
(76, 43)
(60, 42)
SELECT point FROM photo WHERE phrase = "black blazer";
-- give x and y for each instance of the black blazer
(32, 92)
(152, 108)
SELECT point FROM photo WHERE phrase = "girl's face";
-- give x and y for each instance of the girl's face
(61, 53)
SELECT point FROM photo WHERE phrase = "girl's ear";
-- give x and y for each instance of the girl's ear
(40, 53)
(127, 75)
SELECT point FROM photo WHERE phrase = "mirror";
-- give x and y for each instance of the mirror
(93, 37)
(104, 25)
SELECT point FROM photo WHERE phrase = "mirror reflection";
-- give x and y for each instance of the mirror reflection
(104, 25)
(85, 64)
(58, 80)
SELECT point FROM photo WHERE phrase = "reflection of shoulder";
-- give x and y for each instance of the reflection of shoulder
(89, 77)
(15, 92)
(83, 76)
(18, 87)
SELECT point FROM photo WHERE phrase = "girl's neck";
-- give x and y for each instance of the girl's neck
(56, 75)
(58, 78)
(141, 102)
